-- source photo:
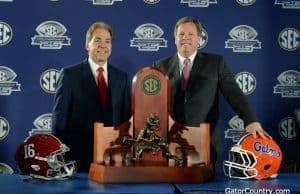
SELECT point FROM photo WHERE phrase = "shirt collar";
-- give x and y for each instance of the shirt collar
(94, 66)
(181, 59)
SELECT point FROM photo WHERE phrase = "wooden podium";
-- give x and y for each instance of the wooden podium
(192, 144)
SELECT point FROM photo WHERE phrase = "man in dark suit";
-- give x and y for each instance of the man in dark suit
(79, 103)
(196, 79)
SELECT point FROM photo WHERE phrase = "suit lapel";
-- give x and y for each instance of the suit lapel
(112, 83)
(173, 69)
(110, 76)
(196, 69)
(89, 84)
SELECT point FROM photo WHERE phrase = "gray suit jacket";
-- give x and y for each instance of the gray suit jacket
(199, 103)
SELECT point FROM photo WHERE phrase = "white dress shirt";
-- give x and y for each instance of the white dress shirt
(94, 67)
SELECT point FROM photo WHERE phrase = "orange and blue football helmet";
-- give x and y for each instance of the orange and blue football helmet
(253, 158)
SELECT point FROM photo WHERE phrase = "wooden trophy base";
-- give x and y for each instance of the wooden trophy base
(147, 173)
(193, 145)
(151, 141)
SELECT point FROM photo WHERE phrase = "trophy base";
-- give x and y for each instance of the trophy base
(151, 173)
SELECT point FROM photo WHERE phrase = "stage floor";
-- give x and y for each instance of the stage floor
(283, 184)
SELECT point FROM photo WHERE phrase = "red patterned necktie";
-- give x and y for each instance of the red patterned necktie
(185, 73)
(102, 87)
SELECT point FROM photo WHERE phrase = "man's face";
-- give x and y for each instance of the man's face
(99, 48)
(187, 39)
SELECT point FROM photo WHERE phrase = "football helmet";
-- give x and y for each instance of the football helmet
(253, 158)
(42, 156)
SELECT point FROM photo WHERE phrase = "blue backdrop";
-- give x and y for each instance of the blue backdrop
(259, 40)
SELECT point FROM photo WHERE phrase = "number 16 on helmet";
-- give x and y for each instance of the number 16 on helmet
(41, 156)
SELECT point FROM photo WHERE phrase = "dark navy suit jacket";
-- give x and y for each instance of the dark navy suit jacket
(199, 103)
(77, 106)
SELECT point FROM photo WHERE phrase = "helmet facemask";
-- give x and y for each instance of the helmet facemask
(58, 168)
(240, 164)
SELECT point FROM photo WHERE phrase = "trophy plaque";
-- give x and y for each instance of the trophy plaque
(151, 147)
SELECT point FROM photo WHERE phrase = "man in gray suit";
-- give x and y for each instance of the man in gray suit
(80, 99)
(196, 79)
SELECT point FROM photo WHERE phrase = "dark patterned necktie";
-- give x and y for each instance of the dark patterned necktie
(185, 73)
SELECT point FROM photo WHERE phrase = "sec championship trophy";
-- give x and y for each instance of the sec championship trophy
(151, 147)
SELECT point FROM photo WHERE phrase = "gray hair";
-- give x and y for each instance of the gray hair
(187, 20)
(97, 25)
